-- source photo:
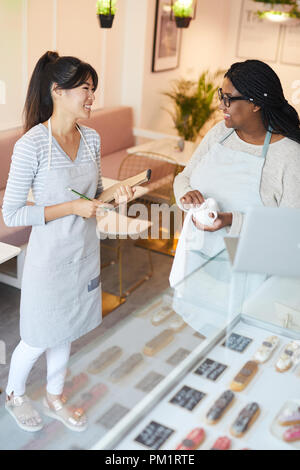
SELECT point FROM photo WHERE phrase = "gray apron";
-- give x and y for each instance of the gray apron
(61, 290)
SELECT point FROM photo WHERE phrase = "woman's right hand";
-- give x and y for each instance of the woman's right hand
(193, 198)
(86, 209)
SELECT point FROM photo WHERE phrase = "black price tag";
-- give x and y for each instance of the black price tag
(237, 342)
(211, 369)
(187, 398)
(154, 435)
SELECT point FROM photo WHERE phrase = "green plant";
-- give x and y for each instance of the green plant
(193, 103)
(183, 8)
(103, 7)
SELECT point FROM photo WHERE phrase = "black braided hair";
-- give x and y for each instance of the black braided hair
(258, 82)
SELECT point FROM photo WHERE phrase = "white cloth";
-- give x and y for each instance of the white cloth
(191, 240)
(232, 178)
(23, 359)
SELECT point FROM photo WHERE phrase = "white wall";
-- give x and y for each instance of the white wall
(287, 73)
(202, 48)
(122, 56)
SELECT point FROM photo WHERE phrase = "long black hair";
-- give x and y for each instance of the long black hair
(258, 82)
(67, 72)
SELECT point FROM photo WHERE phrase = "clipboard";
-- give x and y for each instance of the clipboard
(143, 177)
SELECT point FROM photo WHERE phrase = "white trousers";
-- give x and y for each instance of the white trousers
(24, 358)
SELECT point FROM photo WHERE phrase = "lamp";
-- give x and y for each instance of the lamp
(183, 12)
(106, 10)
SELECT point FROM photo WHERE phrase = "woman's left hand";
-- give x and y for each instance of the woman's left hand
(124, 194)
(224, 219)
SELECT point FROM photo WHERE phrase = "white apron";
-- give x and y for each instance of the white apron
(61, 289)
(233, 179)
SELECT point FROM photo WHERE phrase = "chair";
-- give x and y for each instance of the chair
(160, 190)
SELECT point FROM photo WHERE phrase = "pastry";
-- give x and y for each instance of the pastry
(105, 359)
(245, 419)
(266, 350)
(285, 360)
(220, 407)
(126, 367)
(158, 343)
(290, 416)
(245, 375)
(222, 443)
(162, 315)
(177, 324)
(292, 434)
(192, 440)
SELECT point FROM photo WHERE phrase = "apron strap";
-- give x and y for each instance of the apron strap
(266, 142)
(50, 143)
(84, 140)
(226, 136)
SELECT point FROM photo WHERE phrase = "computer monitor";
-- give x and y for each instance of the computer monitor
(269, 242)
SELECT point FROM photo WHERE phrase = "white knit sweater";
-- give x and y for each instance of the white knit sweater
(280, 180)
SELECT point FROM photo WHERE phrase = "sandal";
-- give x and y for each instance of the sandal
(26, 417)
(73, 419)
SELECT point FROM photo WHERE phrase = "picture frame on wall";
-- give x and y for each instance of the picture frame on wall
(167, 39)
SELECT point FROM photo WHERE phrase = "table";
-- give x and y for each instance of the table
(168, 148)
(8, 252)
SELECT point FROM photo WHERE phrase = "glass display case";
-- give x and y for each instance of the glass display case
(212, 363)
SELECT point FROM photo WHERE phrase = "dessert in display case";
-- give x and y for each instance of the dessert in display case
(211, 364)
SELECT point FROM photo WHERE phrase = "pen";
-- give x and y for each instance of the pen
(82, 196)
(78, 194)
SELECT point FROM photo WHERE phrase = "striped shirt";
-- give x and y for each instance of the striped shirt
(29, 168)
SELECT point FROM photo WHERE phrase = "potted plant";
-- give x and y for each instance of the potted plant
(183, 11)
(106, 10)
(285, 11)
(194, 104)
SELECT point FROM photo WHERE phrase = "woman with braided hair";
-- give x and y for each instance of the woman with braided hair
(251, 158)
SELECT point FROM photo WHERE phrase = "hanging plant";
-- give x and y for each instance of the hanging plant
(106, 10)
(183, 11)
(284, 11)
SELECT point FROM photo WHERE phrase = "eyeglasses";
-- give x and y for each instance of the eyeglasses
(227, 99)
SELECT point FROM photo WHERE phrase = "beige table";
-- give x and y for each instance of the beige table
(168, 148)
(8, 252)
